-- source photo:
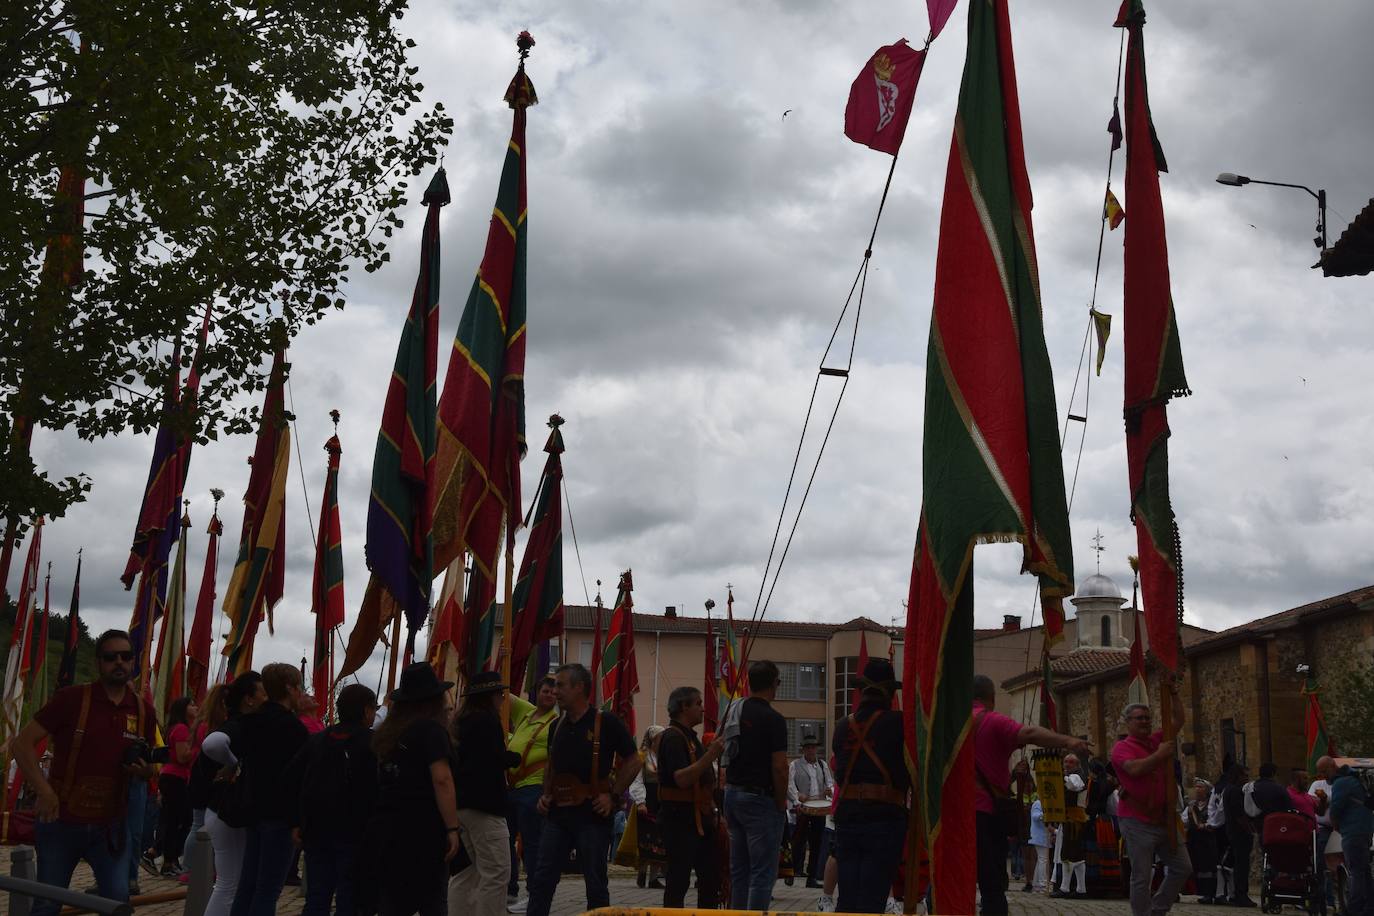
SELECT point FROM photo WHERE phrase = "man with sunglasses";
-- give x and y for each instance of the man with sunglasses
(81, 808)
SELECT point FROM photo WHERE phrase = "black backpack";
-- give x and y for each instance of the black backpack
(327, 781)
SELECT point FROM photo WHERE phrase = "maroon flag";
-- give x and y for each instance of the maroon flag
(881, 97)
(66, 669)
(327, 592)
(198, 644)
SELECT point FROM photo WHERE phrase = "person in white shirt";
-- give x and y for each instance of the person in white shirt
(1320, 789)
(1068, 844)
(1040, 842)
(809, 780)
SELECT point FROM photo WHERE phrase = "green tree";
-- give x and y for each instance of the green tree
(1348, 704)
(244, 153)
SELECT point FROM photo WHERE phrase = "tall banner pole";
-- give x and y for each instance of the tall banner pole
(507, 624)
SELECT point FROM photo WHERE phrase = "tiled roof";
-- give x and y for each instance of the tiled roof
(1073, 665)
(1353, 253)
(580, 617)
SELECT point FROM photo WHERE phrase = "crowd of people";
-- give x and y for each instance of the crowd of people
(1127, 814)
(415, 807)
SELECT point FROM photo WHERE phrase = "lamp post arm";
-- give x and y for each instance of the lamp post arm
(1284, 184)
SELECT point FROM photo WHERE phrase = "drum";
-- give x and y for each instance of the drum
(816, 807)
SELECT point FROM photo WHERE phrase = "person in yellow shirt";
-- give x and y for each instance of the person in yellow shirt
(531, 724)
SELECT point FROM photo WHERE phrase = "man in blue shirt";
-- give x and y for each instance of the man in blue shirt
(1350, 814)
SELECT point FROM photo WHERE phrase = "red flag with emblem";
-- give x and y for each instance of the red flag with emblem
(881, 96)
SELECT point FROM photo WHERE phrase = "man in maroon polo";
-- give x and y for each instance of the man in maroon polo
(81, 802)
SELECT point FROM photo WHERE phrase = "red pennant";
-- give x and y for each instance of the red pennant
(881, 97)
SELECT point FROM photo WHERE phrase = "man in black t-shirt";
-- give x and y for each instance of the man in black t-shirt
(756, 793)
(686, 802)
(871, 813)
(578, 791)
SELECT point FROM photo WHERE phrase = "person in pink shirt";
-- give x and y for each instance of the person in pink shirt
(995, 737)
(1147, 811)
(306, 712)
(1304, 804)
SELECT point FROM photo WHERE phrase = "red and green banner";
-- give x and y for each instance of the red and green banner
(400, 549)
(199, 647)
(619, 671)
(1153, 359)
(1139, 689)
(992, 468)
(18, 660)
(1319, 742)
(66, 668)
(256, 584)
(482, 408)
(169, 679)
(733, 681)
(327, 587)
(537, 606)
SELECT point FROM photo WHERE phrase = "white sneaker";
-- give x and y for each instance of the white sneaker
(825, 904)
(519, 906)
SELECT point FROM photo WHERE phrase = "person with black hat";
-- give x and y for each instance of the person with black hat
(578, 791)
(415, 829)
(810, 786)
(480, 777)
(871, 811)
(686, 802)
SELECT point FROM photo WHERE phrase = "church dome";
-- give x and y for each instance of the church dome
(1097, 586)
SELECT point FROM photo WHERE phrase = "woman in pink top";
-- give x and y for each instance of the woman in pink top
(173, 784)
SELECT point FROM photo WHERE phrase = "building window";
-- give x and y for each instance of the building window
(787, 681)
(846, 677)
(811, 681)
(555, 655)
(800, 728)
(1106, 632)
(584, 653)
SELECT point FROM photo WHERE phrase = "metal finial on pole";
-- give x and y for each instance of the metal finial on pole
(1098, 548)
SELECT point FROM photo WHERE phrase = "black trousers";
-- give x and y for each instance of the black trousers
(992, 864)
(808, 832)
(1202, 849)
(174, 820)
(1241, 845)
(688, 852)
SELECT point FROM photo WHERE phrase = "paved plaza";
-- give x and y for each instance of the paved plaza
(571, 900)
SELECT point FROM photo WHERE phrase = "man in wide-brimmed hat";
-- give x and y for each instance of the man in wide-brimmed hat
(809, 780)
(871, 813)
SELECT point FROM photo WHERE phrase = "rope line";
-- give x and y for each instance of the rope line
(576, 550)
(765, 592)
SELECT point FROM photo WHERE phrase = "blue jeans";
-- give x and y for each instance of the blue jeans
(266, 859)
(329, 869)
(136, 814)
(591, 837)
(61, 846)
(523, 817)
(869, 853)
(756, 827)
(1358, 901)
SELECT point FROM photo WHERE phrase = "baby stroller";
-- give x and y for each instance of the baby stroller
(1288, 865)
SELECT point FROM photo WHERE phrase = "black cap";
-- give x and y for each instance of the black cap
(879, 673)
(485, 682)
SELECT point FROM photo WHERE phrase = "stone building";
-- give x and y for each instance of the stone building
(1241, 690)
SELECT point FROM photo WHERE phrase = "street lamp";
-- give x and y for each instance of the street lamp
(1233, 180)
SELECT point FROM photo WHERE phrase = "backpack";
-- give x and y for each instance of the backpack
(327, 782)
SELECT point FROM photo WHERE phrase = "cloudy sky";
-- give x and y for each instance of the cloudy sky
(690, 250)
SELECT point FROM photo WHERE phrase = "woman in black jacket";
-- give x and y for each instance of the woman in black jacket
(480, 775)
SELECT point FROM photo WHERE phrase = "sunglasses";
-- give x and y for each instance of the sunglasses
(116, 656)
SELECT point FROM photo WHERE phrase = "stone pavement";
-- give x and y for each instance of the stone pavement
(571, 900)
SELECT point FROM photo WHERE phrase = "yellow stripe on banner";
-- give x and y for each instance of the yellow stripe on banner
(515, 146)
(476, 367)
(495, 300)
(497, 214)
(985, 219)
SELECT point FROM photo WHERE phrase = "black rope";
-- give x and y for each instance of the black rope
(765, 592)
(576, 550)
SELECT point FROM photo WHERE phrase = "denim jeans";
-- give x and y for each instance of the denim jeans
(329, 868)
(523, 817)
(591, 837)
(1358, 900)
(134, 817)
(1145, 842)
(266, 859)
(61, 846)
(869, 854)
(756, 827)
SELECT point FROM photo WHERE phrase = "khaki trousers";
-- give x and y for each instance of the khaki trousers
(480, 889)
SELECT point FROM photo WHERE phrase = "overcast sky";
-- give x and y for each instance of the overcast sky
(690, 250)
